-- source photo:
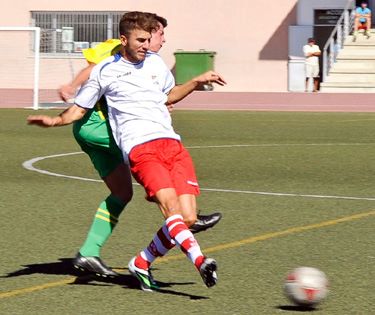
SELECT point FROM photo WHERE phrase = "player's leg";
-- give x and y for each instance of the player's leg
(162, 242)
(368, 28)
(308, 75)
(357, 23)
(188, 205)
(316, 84)
(356, 27)
(195, 221)
(157, 180)
(93, 135)
(109, 210)
(315, 75)
(174, 231)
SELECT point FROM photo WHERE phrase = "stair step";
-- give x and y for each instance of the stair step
(356, 62)
(361, 57)
(358, 78)
(356, 48)
(367, 67)
(354, 70)
(350, 71)
(327, 89)
(360, 41)
(349, 84)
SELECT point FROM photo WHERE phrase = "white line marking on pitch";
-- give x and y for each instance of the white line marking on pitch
(265, 193)
(278, 145)
(29, 165)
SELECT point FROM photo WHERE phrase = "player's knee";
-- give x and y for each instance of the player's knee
(168, 202)
(172, 207)
(190, 220)
(125, 195)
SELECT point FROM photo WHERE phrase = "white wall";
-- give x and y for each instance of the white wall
(297, 39)
(252, 50)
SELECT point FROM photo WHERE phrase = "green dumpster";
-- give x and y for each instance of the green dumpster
(190, 64)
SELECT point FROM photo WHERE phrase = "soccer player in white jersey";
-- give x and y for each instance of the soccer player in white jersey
(94, 136)
(137, 85)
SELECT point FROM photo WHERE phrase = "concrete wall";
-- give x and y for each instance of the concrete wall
(305, 9)
(251, 41)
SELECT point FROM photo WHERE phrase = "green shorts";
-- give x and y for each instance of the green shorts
(93, 134)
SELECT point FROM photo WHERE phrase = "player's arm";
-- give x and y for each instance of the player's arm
(68, 91)
(305, 51)
(179, 92)
(317, 53)
(87, 97)
(68, 116)
(357, 14)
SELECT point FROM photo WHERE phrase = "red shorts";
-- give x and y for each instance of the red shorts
(163, 163)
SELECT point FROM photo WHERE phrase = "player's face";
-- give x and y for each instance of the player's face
(364, 5)
(157, 39)
(136, 45)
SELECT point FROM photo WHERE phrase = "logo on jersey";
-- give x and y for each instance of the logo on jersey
(154, 79)
(124, 74)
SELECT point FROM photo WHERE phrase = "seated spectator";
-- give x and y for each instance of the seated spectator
(362, 20)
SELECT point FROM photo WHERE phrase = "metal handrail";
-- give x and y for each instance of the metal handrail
(337, 38)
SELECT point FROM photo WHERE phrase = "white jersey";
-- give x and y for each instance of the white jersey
(136, 95)
(312, 60)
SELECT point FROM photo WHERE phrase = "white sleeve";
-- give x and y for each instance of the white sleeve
(169, 82)
(91, 91)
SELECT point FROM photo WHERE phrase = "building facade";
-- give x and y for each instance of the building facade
(251, 40)
(254, 40)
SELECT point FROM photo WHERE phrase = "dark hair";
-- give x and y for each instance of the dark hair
(161, 20)
(137, 20)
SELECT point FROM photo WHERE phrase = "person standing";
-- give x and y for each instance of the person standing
(312, 53)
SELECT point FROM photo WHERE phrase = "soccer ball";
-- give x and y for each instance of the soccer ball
(306, 286)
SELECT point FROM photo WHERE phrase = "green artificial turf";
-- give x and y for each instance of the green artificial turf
(44, 219)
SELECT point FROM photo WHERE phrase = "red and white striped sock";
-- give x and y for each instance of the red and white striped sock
(159, 246)
(181, 234)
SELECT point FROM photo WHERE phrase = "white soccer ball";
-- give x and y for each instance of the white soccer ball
(306, 286)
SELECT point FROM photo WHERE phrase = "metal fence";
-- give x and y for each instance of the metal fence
(71, 31)
(338, 37)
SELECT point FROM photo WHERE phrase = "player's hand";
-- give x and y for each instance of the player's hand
(43, 120)
(67, 92)
(210, 77)
(170, 107)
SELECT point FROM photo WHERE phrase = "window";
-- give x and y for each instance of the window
(68, 32)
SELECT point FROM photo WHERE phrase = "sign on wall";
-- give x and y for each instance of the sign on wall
(327, 16)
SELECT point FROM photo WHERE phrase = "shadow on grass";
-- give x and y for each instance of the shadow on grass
(65, 267)
(62, 267)
(295, 308)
